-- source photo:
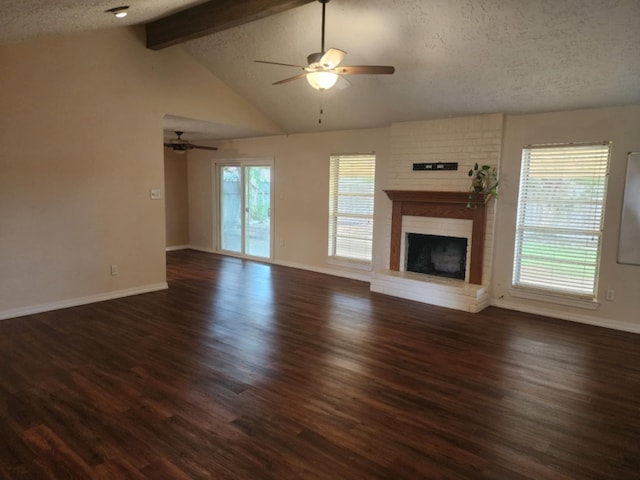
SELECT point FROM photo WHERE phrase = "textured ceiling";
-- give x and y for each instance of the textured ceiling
(21, 19)
(202, 132)
(452, 57)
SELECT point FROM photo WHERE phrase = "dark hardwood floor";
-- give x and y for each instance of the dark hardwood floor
(243, 370)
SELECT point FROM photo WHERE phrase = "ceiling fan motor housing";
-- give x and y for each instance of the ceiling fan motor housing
(314, 58)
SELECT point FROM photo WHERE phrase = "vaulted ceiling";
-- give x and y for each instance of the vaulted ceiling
(452, 57)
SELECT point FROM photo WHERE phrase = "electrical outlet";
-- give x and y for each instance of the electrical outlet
(611, 295)
(114, 270)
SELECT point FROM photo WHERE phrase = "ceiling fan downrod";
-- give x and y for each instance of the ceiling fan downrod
(324, 7)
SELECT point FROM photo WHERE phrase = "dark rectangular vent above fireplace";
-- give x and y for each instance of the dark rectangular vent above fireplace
(437, 255)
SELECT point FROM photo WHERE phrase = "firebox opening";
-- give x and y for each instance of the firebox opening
(437, 255)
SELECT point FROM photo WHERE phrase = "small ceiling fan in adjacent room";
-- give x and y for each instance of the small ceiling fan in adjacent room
(324, 67)
(180, 146)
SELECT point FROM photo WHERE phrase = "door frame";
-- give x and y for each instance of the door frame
(241, 162)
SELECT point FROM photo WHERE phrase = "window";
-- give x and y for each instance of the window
(351, 193)
(560, 217)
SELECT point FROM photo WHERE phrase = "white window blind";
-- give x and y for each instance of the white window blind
(560, 218)
(351, 195)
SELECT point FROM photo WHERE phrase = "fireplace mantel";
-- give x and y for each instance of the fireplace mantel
(442, 205)
(455, 198)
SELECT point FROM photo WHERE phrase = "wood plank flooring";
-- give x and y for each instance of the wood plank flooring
(244, 370)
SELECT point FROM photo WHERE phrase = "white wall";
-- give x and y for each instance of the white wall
(301, 191)
(176, 199)
(201, 200)
(622, 127)
(81, 136)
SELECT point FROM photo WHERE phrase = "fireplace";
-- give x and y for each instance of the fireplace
(438, 255)
(451, 214)
(442, 205)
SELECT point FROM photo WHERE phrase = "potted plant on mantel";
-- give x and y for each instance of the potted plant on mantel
(484, 181)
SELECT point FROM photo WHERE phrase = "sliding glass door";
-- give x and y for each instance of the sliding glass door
(245, 209)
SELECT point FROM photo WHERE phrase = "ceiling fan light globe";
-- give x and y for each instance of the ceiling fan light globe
(322, 80)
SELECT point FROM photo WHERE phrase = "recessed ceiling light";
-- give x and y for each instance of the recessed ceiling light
(119, 12)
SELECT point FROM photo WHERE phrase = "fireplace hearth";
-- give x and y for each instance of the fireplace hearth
(468, 294)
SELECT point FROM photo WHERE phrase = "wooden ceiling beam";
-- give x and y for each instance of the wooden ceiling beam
(211, 17)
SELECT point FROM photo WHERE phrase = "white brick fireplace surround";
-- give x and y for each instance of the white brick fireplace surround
(444, 213)
(434, 203)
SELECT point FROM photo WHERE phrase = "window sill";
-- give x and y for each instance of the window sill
(551, 297)
(345, 262)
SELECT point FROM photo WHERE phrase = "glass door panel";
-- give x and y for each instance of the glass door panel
(231, 208)
(257, 220)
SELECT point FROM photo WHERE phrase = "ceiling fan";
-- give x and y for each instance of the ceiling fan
(324, 67)
(180, 146)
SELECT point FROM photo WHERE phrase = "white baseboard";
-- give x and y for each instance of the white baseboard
(362, 276)
(74, 302)
(572, 317)
(177, 247)
(202, 249)
(546, 312)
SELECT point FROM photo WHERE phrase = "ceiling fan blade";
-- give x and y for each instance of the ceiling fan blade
(365, 70)
(332, 58)
(290, 79)
(202, 147)
(282, 64)
(342, 83)
(177, 147)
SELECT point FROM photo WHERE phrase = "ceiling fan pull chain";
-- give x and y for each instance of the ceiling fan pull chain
(321, 109)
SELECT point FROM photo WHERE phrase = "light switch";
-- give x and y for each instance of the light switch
(155, 194)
